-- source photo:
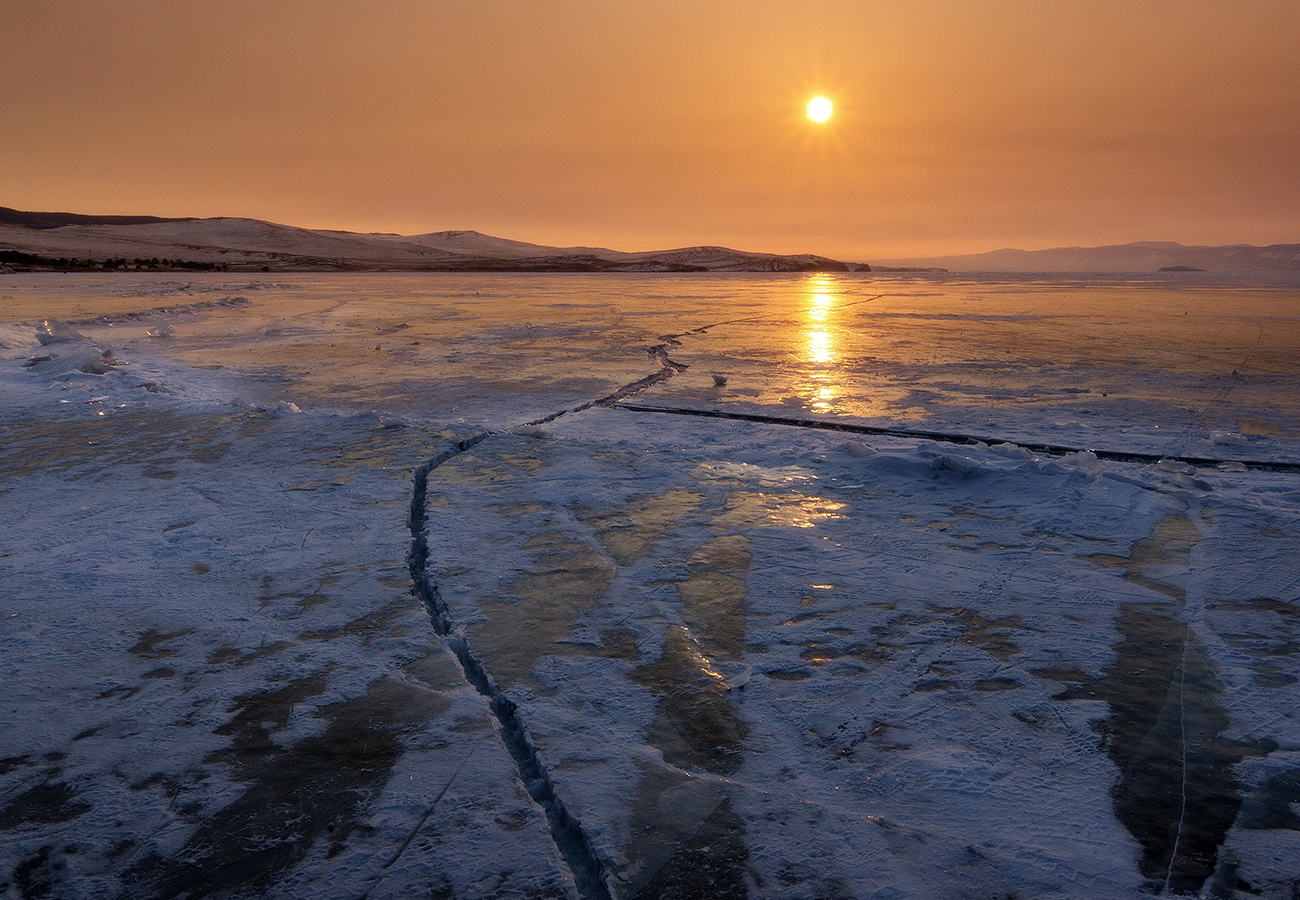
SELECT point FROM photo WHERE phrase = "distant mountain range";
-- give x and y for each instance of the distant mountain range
(1139, 257)
(54, 240)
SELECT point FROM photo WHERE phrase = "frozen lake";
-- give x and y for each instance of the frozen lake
(411, 585)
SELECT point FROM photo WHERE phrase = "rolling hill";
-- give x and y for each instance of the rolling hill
(45, 239)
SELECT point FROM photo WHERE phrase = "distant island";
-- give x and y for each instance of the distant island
(42, 241)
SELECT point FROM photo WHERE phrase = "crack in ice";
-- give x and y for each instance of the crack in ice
(950, 437)
(1182, 725)
(566, 832)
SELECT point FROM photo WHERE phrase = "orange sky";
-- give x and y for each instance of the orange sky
(960, 125)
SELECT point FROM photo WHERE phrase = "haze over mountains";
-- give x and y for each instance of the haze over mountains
(1141, 256)
(52, 240)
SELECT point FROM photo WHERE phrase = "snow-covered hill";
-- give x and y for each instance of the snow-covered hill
(243, 243)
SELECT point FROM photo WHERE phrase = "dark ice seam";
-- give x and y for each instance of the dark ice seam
(951, 438)
(668, 367)
(567, 833)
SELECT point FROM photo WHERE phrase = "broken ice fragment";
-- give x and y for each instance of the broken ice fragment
(52, 332)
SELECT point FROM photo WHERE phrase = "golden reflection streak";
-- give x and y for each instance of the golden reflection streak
(701, 661)
(819, 348)
(821, 299)
(758, 508)
(820, 345)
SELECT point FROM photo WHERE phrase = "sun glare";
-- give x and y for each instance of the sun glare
(819, 109)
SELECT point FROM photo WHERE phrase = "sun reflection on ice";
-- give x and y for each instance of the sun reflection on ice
(822, 298)
(819, 348)
(795, 509)
(820, 344)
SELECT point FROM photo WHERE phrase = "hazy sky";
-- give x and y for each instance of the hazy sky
(959, 126)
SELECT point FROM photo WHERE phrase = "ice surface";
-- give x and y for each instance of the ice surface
(745, 658)
(864, 653)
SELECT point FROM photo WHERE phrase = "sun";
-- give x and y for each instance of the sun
(819, 109)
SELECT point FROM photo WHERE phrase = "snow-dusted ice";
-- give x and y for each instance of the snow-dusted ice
(402, 585)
